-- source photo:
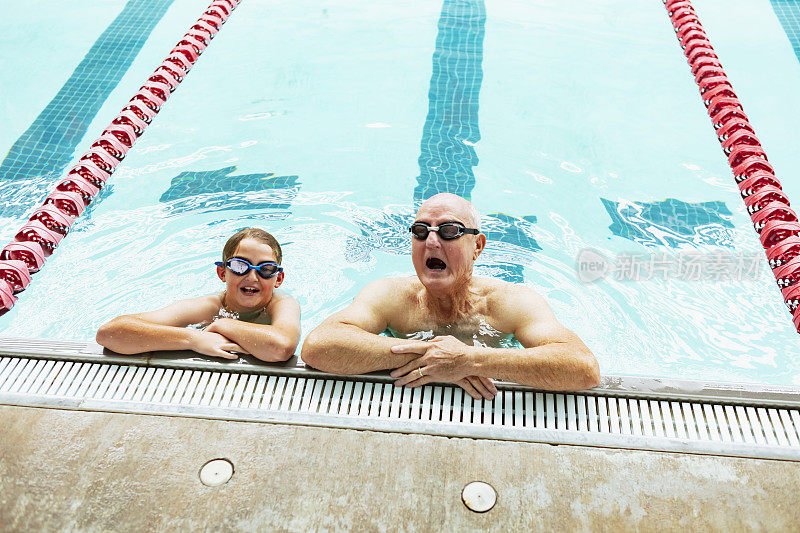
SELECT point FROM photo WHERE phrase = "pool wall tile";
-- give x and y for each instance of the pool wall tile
(788, 12)
(447, 152)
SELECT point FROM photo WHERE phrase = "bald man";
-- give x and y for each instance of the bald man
(448, 325)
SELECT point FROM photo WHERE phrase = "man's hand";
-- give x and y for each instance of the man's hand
(210, 343)
(443, 359)
(478, 387)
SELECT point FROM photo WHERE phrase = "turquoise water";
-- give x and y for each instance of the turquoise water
(570, 127)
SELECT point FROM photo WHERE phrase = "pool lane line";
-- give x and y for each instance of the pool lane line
(775, 222)
(447, 149)
(48, 225)
(47, 145)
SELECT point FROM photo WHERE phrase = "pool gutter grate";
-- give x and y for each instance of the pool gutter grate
(607, 418)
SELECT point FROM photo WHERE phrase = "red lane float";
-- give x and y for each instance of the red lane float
(15, 273)
(50, 223)
(7, 297)
(31, 253)
(784, 252)
(53, 218)
(774, 220)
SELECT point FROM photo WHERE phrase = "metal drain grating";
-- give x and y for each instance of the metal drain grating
(296, 395)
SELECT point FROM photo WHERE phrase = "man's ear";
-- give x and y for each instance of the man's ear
(221, 273)
(278, 279)
(480, 243)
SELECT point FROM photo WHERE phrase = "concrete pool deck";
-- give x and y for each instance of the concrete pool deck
(97, 471)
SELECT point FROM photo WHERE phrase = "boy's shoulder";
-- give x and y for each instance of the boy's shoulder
(281, 296)
(184, 312)
(213, 300)
(206, 305)
(283, 309)
(281, 300)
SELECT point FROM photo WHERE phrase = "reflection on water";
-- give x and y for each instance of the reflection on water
(476, 332)
(385, 230)
(21, 197)
(216, 190)
(510, 245)
(671, 222)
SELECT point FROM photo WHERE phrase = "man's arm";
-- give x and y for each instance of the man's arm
(165, 329)
(274, 342)
(348, 342)
(553, 357)
(561, 362)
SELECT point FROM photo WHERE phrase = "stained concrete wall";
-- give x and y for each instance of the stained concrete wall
(83, 471)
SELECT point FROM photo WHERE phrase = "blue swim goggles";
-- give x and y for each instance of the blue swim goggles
(241, 267)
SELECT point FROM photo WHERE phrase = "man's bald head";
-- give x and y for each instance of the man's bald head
(454, 203)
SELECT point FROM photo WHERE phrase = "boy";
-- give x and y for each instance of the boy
(249, 316)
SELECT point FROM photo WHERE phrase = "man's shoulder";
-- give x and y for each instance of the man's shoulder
(395, 285)
(387, 294)
(501, 295)
(494, 287)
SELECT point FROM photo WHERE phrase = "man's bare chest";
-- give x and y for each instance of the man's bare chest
(475, 329)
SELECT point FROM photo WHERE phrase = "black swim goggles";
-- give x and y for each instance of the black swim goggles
(447, 230)
(241, 267)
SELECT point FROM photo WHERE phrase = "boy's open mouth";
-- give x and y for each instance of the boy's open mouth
(250, 290)
(434, 263)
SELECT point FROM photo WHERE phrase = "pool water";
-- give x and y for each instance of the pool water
(571, 127)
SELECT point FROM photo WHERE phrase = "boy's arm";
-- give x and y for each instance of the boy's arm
(274, 342)
(165, 329)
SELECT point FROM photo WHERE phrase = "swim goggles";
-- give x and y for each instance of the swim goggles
(240, 267)
(447, 231)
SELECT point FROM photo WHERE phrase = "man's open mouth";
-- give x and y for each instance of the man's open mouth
(434, 263)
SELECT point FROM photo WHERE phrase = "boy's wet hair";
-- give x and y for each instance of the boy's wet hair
(251, 233)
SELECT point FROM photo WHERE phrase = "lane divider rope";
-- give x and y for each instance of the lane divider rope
(48, 225)
(773, 219)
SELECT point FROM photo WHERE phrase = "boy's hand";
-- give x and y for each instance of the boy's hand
(215, 345)
(218, 325)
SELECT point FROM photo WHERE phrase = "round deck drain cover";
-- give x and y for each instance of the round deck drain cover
(479, 496)
(216, 472)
